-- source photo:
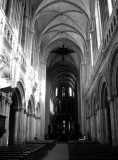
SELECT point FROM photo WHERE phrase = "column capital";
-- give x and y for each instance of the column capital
(97, 107)
(25, 111)
(20, 109)
(2, 96)
(38, 118)
(30, 114)
(8, 100)
(112, 97)
(82, 63)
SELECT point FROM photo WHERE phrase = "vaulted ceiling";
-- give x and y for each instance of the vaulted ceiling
(59, 23)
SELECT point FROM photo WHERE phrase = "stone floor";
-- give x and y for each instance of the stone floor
(59, 152)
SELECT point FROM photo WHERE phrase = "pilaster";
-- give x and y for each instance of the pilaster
(114, 119)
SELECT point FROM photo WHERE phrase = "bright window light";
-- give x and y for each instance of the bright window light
(51, 107)
(110, 7)
(73, 94)
(56, 92)
(98, 24)
(70, 91)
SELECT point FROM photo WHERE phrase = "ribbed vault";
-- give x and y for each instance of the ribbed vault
(60, 23)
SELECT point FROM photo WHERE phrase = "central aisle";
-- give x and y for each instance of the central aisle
(59, 152)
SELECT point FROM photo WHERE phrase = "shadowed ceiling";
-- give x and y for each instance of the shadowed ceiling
(62, 24)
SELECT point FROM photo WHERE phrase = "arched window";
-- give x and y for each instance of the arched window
(51, 107)
(70, 91)
(56, 92)
(98, 23)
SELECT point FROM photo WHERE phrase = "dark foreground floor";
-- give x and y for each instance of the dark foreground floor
(59, 152)
(88, 150)
(82, 150)
(50, 150)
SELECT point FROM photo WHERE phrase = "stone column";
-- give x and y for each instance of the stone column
(82, 90)
(113, 120)
(7, 112)
(43, 95)
(47, 109)
(89, 136)
(27, 126)
(21, 20)
(97, 123)
(38, 128)
(94, 126)
(25, 32)
(20, 124)
(101, 125)
(79, 101)
(116, 115)
(34, 126)
(87, 125)
(91, 126)
(36, 118)
(3, 98)
(16, 125)
(31, 127)
(106, 125)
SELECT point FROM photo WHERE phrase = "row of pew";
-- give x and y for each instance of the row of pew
(26, 151)
(86, 150)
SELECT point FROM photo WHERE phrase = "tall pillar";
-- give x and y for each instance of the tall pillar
(7, 111)
(113, 120)
(93, 126)
(101, 125)
(31, 127)
(98, 121)
(47, 109)
(27, 126)
(82, 89)
(43, 95)
(16, 125)
(116, 115)
(34, 126)
(39, 128)
(20, 124)
(79, 102)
